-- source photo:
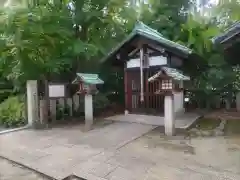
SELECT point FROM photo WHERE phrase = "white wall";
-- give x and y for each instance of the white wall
(153, 61)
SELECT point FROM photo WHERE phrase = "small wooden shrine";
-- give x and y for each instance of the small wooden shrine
(144, 53)
(170, 81)
(87, 83)
(88, 86)
(152, 77)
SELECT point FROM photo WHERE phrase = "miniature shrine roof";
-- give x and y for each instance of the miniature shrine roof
(87, 78)
(228, 34)
(171, 72)
(147, 32)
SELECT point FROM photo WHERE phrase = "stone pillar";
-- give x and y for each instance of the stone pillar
(70, 105)
(53, 109)
(238, 101)
(32, 102)
(76, 102)
(169, 115)
(182, 97)
(43, 113)
(179, 103)
(88, 111)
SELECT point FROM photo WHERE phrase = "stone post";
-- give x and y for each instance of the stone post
(70, 105)
(169, 115)
(53, 109)
(32, 102)
(43, 114)
(88, 111)
(76, 102)
(238, 101)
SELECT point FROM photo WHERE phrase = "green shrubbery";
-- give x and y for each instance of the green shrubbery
(100, 102)
(12, 112)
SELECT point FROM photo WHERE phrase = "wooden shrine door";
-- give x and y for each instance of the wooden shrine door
(152, 104)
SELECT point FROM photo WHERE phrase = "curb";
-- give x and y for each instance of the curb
(14, 130)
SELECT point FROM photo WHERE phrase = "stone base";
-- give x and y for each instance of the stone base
(180, 112)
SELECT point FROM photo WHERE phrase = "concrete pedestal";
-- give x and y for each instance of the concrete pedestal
(32, 102)
(169, 117)
(88, 111)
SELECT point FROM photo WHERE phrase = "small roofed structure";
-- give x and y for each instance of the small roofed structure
(229, 41)
(229, 36)
(144, 53)
(150, 38)
(169, 80)
(87, 82)
(87, 86)
(170, 72)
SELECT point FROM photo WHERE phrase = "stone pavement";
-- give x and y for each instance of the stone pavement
(104, 154)
(10, 171)
(57, 151)
(182, 121)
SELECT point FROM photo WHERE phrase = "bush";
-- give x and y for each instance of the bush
(4, 94)
(12, 112)
(100, 102)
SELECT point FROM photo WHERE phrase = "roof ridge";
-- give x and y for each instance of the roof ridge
(141, 25)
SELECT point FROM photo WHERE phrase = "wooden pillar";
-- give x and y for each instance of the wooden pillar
(141, 76)
(147, 89)
(126, 90)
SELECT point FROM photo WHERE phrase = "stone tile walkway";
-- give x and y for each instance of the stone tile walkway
(102, 155)
(10, 171)
(182, 121)
(58, 152)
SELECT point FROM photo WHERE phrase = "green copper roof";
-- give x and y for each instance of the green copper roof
(229, 33)
(150, 33)
(146, 31)
(173, 73)
(88, 79)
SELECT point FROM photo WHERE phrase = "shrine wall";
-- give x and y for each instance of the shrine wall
(153, 61)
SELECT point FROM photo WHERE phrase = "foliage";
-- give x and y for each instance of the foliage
(100, 102)
(41, 37)
(48, 40)
(12, 112)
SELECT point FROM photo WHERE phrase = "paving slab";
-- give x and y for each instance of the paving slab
(182, 121)
(59, 152)
(121, 151)
(11, 171)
